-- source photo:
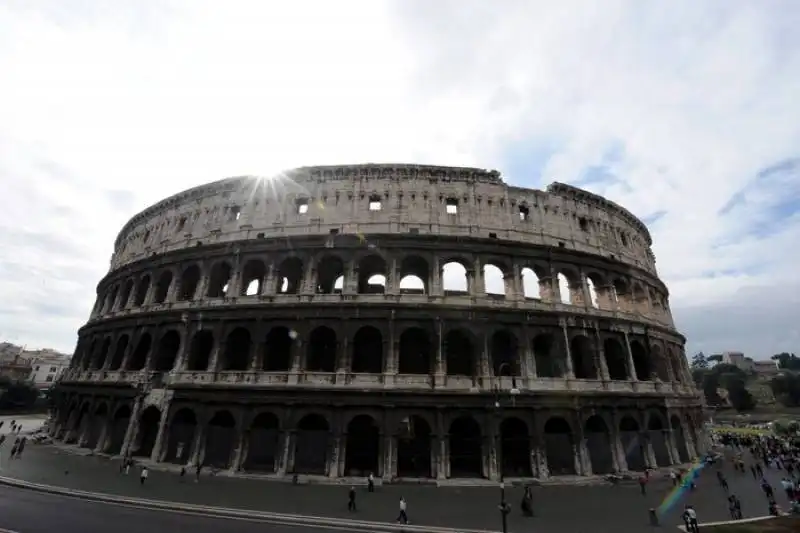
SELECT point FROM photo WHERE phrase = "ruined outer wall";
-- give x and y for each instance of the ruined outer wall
(413, 199)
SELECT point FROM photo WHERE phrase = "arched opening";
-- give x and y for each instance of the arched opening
(515, 447)
(503, 351)
(219, 280)
(414, 449)
(530, 284)
(190, 279)
(368, 351)
(322, 350)
(680, 439)
(454, 279)
(81, 424)
(162, 287)
(494, 282)
(657, 356)
(548, 365)
(657, 432)
(675, 362)
(148, 431)
(582, 358)
(598, 442)
(311, 445)
(168, 347)
(372, 275)
(220, 440)
(415, 352)
(253, 275)
(564, 292)
(290, 276)
(119, 427)
(592, 289)
(621, 295)
(414, 274)
(615, 360)
(459, 354)
(362, 447)
(100, 359)
(139, 358)
(641, 362)
(112, 299)
(182, 432)
(466, 448)
(142, 290)
(263, 448)
(639, 299)
(127, 289)
(119, 353)
(559, 447)
(237, 350)
(330, 275)
(630, 437)
(96, 426)
(86, 359)
(278, 350)
(200, 350)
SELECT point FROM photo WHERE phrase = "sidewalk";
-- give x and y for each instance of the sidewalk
(559, 508)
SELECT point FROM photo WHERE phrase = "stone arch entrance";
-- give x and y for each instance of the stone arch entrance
(322, 350)
(582, 358)
(630, 437)
(641, 361)
(414, 449)
(598, 443)
(657, 432)
(119, 427)
(559, 447)
(459, 354)
(263, 448)
(148, 431)
(367, 351)
(181, 437)
(311, 445)
(97, 427)
(168, 347)
(220, 440)
(680, 439)
(615, 360)
(415, 352)
(278, 350)
(515, 447)
(362, 448)
(466, 448)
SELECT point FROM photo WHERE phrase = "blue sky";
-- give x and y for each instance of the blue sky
(686, 114)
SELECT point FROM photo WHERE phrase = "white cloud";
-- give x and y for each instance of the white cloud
(109, 107)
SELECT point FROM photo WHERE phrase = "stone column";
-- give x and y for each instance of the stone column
(133, 428)
(582, 450)
(476, 286)
(391, 359)
(102, 442)
(393, 279)
(270, 282)
(240, 443)
(616, 442)
(528, 357)
(629, 359)
(198, 450)
(435, 283)
(441, 448)
(602, 367)
(159, 450)
(570, 372)
(286, 461)
(440, 365)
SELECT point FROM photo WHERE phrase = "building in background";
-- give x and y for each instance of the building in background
(40, 367)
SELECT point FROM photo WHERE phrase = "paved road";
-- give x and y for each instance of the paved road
(564, 508)
(24, 511)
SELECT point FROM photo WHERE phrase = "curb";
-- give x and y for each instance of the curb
(734, 522)
(236, 514)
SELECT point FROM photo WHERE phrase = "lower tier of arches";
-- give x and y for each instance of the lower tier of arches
(389, 442)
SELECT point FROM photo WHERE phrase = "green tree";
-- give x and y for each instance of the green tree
(787, 361)
(739, 396)
(699, 361)
(786, 388)
(17, 394)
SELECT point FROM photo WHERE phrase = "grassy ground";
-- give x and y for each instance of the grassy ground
(784, 524)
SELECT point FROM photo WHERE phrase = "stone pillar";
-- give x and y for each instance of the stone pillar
(199, 443)
(257, 361)
(102, 442)
(133, 428)
(440, 364)
(476, 286)
(621, 459)
(159, 450)
(342, 357)
(441, 449)
(270, 282)
(393, 279)
(389, 441)
(391, 359)
(602, 367)
(183, 350)
(528, 358)
(286, 461)
(629, 359)
(240, 443)
(201, 291)
(570, 371)
(435, 284)
(582, 451)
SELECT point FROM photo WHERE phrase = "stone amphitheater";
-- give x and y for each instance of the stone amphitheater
(416, 322)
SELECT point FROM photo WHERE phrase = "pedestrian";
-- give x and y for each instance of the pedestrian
(21, 447)
(767, 488)
(183, 473)
(674, 477)
(738, 505)
(197, 471)
(403, 516)
(690, 519)
(753, 470)
(128, 464)
(643, 485)
(371, 483)
(351, 500)
(527, 502)
(143, 475)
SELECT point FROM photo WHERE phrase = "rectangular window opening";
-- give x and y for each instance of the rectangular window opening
(374, 203)
(334, 231)
(524, 212)
(451, 206)
(234, 213)
(302, 206)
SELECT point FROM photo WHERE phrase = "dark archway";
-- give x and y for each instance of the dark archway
(139, 358)
(119, 427)
(559, 447)
(263, 449)
(182, 432)
(680, 439)
(237, 351)
(459, 354)
(548, 364)
(100, 357)
(162, 287)
(168, 347)
(190, 279)
(515, 448)
(290, 276)
(582, 358)
(81, 424)
(657, 433)
(219, 280)
(322, 350)
(414, 449)
(414, 275)
(503, 350)
(641, 361)
(252, 279)
(127, 290)
(415, 352)
(615, 360)
(96, 427)
(200, 350)
(362, 448)
(330, 273)
(278, 350)
(148, 432)
(466, 448)
(220, 440)
(632, 445)
(368, 351)
(119, 353)
(141, 291)
(598, 443)
(372, 275)
(311, 445)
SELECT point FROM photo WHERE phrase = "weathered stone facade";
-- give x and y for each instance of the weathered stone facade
(305, 325)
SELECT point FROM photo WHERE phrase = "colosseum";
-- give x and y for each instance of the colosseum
(410, 321)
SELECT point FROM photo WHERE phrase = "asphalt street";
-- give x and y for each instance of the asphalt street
(24, 511)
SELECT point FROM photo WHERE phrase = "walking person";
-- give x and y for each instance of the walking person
(21, 447)
(143, 475)
(351, 500)
(690, 519)
(643, 485)
(403, 516)
(371, 483)
(197, 471)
